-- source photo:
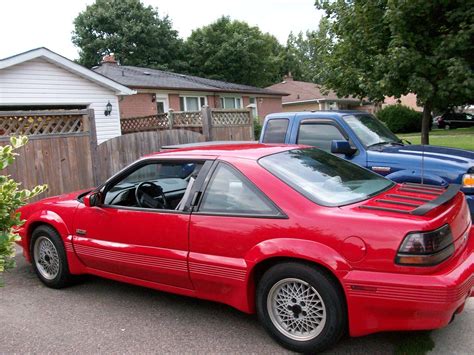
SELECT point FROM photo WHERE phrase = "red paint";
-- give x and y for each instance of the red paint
(354, 249)
(215, 257)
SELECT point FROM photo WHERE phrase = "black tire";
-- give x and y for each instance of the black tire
(61, 278)
(335, 322)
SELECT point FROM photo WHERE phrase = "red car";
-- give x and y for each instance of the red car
(312, 243)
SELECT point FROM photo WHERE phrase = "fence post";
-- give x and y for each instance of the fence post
(93, 145)
(170, 118)
(207, 122)
(252, 125)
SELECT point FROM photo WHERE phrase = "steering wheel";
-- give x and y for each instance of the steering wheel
(145, 199)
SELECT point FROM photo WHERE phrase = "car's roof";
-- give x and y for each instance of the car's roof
(316, 114)
(248, 150)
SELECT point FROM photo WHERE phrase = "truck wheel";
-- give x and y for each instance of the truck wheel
(49, 257)
(301, 307)
(447, 127)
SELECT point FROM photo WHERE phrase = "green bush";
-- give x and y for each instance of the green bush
(257, 128)
(400, 119)
(11, 197)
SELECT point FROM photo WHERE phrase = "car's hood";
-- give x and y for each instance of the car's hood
(66, 200)
(451, 154)
(64, 197)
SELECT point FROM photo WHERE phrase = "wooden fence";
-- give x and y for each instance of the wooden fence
(215, 124)
(116, 153)
(64, 154)
(59, 152)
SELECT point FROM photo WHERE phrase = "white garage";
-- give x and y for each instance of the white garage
(43, 80)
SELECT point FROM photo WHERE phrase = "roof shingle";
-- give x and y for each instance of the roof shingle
(304, 91)
(139, 77)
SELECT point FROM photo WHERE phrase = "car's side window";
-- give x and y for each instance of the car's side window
(319, 135)
(228, 192)
(156, 185)
(275, 130)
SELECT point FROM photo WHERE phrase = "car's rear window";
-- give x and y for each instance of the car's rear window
(324, 178)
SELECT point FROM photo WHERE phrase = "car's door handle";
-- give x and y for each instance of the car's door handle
(81, 231)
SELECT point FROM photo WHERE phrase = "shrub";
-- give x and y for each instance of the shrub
(400, 119)
(11, 198)
(257, 128)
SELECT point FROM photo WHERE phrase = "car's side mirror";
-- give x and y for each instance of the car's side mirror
(342, 147)
(92, 199)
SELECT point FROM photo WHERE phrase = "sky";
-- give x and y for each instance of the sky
(28, 24)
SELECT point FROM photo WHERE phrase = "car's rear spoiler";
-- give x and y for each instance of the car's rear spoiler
(439, 195)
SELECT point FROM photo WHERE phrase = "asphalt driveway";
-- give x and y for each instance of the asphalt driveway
(104, 316)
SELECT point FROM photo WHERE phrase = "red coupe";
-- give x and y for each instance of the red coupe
(313, 244)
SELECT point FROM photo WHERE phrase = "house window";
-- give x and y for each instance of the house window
(331, 105)
(253, 106)
(192, 103)
(231, 102)
(160, 106)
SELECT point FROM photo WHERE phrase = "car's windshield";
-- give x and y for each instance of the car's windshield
(324, 178)
(370, 130)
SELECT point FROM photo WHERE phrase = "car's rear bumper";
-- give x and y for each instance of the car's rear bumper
(388, 301)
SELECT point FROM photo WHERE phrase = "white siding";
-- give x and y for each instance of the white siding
(38, 82)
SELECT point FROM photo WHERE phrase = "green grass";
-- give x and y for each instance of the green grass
(462, 138)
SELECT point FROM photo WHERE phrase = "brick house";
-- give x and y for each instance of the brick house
(408, 100)
(305, 96)
(160, 91)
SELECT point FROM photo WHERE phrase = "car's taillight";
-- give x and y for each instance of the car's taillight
(426, 248)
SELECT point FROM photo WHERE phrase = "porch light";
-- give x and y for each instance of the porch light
(108, 109)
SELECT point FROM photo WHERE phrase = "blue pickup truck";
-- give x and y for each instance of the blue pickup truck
(362, 139)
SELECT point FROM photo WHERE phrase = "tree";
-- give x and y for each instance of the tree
(383, 48)
(11, 198)
(234, 51)
(301, 54)
(133, 32)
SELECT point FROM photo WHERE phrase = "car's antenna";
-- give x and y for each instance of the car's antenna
(422, 162)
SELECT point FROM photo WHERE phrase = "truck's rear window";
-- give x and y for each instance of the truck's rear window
(324, 178)
(275, 130)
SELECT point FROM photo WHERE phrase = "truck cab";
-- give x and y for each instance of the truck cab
(362, 139)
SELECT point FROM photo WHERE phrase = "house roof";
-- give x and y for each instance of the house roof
(140, 77)
(63, 62)
(302, 91)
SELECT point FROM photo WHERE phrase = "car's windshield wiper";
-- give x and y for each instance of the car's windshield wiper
(384, 143)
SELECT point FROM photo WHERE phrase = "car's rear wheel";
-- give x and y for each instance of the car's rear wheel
(301, 307)
(49, 257)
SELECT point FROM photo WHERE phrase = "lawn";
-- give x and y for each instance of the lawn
(462, 138)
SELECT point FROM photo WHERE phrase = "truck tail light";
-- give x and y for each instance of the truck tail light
(426, 248)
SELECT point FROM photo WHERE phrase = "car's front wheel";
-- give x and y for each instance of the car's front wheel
(301, 307)
(49, 257)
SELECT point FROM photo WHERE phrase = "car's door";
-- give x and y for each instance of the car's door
(320, 133)
(233, 215)
(133, 236)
